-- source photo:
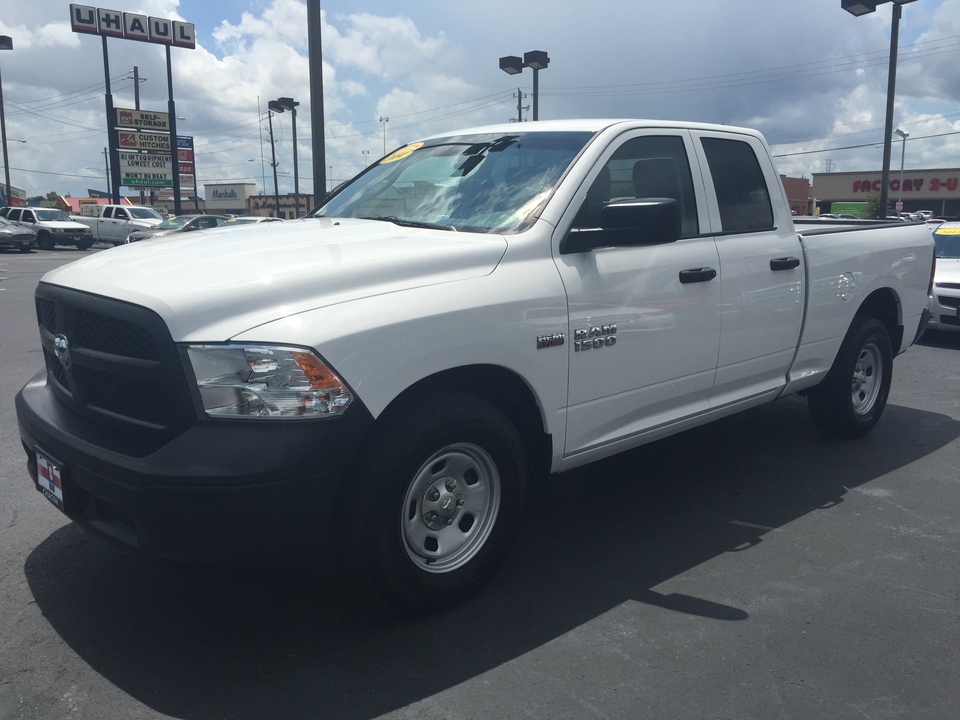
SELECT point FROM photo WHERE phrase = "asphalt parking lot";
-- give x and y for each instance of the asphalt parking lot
(746, 569)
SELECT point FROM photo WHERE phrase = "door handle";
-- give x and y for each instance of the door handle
(784, 263)
(697, 275)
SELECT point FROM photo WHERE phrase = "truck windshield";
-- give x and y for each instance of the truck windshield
(50, 214)
(143, 213)
(477, 183)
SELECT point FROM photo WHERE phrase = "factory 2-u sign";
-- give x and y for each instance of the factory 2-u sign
(113, 23)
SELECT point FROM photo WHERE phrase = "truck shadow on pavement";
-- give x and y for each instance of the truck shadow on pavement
(288, 643)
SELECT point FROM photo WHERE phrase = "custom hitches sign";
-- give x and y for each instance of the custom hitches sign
(113, 23)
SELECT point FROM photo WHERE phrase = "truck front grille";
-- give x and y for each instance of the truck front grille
(113, 362)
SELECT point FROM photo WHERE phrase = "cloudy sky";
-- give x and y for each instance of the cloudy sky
(809, 75)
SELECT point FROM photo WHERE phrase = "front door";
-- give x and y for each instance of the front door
(644, 320)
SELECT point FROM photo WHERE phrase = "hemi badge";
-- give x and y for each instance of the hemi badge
(545, 341)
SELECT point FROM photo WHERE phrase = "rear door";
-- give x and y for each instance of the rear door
(644, 324)
(762, 261)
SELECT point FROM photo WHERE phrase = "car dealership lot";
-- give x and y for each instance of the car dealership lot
(748, 569)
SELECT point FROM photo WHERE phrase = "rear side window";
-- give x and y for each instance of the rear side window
(741, 189)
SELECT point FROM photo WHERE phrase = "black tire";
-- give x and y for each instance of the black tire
(45, 242)
(25, 248)
(84, 245)
(427, 515)
(851, 398)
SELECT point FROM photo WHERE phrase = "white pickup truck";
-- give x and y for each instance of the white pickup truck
(475, 311)
(112, 223)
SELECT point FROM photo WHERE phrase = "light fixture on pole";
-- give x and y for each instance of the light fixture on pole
(290, 104)
(535, 59)
(903, 152)
(6, 43)
(863, 7)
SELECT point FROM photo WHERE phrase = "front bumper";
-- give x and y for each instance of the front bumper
(17, 242)
(219, 492)
(944, 309)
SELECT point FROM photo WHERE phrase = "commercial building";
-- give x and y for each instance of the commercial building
(934, 190)
(264, 205)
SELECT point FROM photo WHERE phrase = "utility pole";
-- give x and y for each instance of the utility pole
(273, 163)
(106, 167)
(520, 96)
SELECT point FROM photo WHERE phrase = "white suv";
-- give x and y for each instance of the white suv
(52, 227)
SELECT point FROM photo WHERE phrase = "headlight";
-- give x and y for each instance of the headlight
(266, 381)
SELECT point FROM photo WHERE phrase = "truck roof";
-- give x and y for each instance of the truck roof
(594, 125)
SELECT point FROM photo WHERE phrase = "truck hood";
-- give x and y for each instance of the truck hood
(210, 285)
(61, 225)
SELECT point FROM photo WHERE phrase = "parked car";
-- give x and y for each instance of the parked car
(178, 224)
(52, 227)
(16, 237)
(944, 302)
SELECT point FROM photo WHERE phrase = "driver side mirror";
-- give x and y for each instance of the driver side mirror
(628, 223)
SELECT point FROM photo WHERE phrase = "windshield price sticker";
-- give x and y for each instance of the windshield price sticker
(401, 153)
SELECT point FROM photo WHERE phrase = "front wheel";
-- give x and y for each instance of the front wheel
(45, 242)
(851, 398)
(84, 245)
(428, 513)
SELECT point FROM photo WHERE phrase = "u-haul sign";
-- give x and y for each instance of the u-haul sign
(113, 23)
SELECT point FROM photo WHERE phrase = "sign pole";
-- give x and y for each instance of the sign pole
(112, 138)
(174, 150)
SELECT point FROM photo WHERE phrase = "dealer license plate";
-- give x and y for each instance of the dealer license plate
(49, 480)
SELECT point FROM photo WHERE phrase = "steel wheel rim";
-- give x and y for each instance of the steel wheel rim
(450, 508)
(867, 376)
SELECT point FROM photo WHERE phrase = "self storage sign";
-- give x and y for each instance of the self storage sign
(142, 120)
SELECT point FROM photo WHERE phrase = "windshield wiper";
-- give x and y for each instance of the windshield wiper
(411, 223)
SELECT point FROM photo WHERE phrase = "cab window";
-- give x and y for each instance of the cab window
(652, 166)
(740, 186)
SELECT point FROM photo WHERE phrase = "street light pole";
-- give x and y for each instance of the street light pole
(6, 43)
(537, 60)
(384, 120)
(903, 152)
(863, 7)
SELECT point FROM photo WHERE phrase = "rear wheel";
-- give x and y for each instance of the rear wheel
(851, 398)
(430, 510)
